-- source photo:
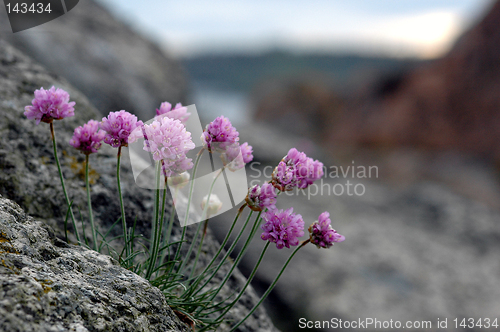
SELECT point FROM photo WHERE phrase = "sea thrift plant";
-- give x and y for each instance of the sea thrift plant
(282, 227)
(219, 134)
(87, 138)
(261, 197)
(179, 112)
(312, 171)
(48, 105)
(322, 234)
(118, 127)
(296, 170)
(189, 288)
(168, 140)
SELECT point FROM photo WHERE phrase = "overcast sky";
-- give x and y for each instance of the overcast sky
(422, 28)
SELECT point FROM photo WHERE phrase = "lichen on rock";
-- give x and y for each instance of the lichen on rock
(48, 285)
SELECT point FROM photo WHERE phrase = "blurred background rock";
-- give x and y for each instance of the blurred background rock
(418, 98)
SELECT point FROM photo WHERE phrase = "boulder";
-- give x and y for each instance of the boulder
(48, 285)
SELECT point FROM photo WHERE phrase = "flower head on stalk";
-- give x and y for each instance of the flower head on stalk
(261, 197)
(296, 170)
(168, 140)
(87, 138)
(179, 112)
(179, 181)
(322, 234)
(48, 105)
(118, 127)
(214, 204)
(283, 227)
(236, 156)
(219, 134)
(246, 152)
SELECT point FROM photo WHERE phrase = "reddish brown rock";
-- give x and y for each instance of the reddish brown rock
(451, 103)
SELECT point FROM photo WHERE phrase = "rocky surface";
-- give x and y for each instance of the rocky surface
(111, 64)
(29, 174)
(48, 285)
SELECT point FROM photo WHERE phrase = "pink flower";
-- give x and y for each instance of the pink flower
(322, 234)
(236, 156)
(88, 138)
(219, 134)
(48, 105)
(283, 228)
(296, 170)
(261, 197)
(179, 112)
(168, 140)
(246, 152)
(118, 127)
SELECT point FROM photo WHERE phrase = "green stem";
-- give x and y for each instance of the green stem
(168, 233)
(122, 209)
(191, 246)
(250, 278)
(171, 220)
(198, 157)
(157, 234)
(199, 249)
(179, 247)
(201, 276)
(156, 208)
(89, 202)
(236, 261)
(205, 217)
(62, 181)
(270, 288)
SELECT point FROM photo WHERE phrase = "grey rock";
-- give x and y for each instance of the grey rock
(48, 285)
(29, 174)
(110, 63)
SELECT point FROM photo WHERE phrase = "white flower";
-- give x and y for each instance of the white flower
(214, 204)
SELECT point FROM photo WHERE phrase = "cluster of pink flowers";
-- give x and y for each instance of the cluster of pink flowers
(168, 140)
(87, 138)
(261, 197)
(283, 228)
(48, 105)
(322, 234)
(118, 127)
(179, 112)
(219, 134)
(296, 170)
